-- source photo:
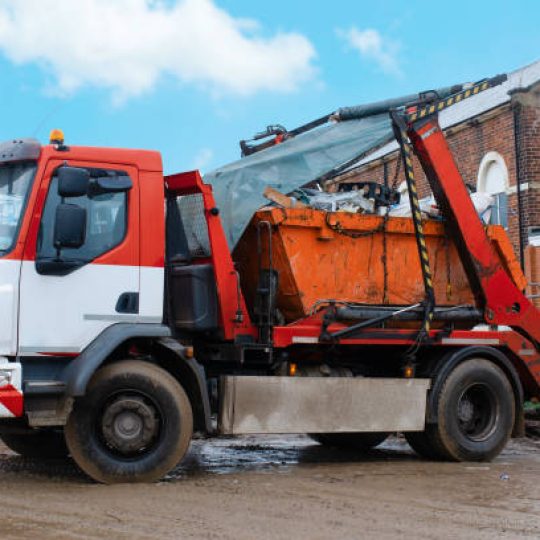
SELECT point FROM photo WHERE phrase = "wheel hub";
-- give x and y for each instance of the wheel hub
(129, 424)
(477, 412)
(466, 410)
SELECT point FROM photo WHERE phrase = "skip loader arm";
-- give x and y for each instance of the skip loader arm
(502, 302)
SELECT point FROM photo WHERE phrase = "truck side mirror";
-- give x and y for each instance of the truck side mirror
(72, 182)
(69, 226)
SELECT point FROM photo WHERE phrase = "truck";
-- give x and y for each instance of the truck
(120, 338)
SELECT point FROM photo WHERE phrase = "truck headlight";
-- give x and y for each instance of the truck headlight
(5, 377)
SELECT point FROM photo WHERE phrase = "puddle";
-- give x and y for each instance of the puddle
(266, 454)
(276, 454)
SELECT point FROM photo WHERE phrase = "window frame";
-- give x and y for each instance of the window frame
(489, 158)
(24, 207)
(73, 263)
(496, 210)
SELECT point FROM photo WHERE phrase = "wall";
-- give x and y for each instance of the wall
(527, 111)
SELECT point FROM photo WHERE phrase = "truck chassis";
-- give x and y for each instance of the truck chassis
(125, 407)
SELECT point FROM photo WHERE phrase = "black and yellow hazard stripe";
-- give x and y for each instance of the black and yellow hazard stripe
(401, 121)
(406, 152)
(438, 106)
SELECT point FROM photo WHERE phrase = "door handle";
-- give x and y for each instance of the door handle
(128, 302)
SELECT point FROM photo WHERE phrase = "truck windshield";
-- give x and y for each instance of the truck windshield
(15, 181)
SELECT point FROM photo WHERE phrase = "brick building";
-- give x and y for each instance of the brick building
(495, 138)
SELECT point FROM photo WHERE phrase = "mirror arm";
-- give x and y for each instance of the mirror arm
(57, 246)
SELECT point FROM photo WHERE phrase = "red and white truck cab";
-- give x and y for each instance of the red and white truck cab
(56, 301)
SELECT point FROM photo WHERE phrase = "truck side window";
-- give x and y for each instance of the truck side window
(105, 227)
(191, 209)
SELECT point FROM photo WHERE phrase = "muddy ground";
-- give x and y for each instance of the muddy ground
(287, 487)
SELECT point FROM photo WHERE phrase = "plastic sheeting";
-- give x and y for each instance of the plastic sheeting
(238, 187)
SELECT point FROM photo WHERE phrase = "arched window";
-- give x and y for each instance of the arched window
(493, 179)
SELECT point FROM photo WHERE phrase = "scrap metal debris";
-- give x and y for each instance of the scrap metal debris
(359, 200)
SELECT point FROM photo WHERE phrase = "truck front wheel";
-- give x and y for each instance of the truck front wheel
(475, 414)
(133, 425)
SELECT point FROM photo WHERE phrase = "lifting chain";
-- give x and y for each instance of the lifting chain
(406, 154)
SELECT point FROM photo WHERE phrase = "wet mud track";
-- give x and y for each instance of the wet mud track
(281, 487)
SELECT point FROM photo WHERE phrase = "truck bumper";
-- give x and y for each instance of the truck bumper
(11, 396)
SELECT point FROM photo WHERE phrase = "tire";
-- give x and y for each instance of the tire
(40, 444)
(421, 444)
(475, 414)
(134, 424)
(356, 441)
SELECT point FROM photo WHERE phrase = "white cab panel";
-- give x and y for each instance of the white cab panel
(9, 302)
(152, 291)
(64, 314)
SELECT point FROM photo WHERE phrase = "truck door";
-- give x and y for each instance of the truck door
(68, 297)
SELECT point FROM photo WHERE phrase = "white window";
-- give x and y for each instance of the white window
(493, 179)
(534, 236)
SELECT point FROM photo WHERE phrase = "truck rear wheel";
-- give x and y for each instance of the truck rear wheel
(421, 443)
(40, 444)
(475, 415)
(356, 441)
(133, 425)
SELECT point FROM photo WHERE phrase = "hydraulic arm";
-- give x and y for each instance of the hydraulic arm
(497, 295)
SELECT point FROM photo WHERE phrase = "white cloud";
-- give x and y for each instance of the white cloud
(203, 158)
(127, 45)
(372, 46)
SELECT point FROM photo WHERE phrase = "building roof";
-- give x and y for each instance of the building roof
(494, 97)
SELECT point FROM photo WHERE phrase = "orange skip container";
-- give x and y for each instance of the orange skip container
(337, 256)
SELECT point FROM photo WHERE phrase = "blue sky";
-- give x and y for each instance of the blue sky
(192, 79)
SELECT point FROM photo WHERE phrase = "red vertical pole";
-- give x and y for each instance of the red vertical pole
(502, 301)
